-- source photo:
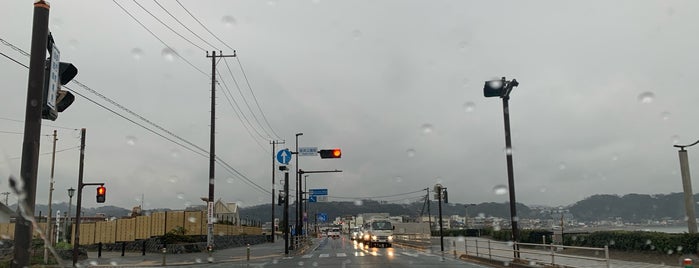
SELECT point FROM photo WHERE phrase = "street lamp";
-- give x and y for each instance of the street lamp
(71, 192)
(687, 186)
(298, 190)
(502, 88)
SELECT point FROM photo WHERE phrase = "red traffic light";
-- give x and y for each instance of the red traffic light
(330, 153)
(101, 194)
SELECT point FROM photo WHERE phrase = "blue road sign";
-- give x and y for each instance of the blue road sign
(312, 198)
(319, 191)
(284, 156)
(322, 217)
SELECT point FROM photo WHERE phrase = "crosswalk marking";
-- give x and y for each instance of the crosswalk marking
(342, 254)
(324, 255)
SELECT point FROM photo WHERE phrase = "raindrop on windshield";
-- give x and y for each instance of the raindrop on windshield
(73, 44)
(137, 53)
(168, 54)
(646, 97)
(192, 219)
(500, 190)
(229, 21)
(411, 152)
(357, 34)
(230, 180)
(561, 165)
(463, 46)
(675, 139)
(173, 179)
(131, 140)
(469, 106)
(399, 179)
(427, 128)
(665, 115)
(180, 195)
(358, 202)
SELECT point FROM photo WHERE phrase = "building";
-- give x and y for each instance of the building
(6, 213)
(226, 212)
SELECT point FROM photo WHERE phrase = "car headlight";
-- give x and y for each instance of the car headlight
(366, 237)
(390, 238)
(374, 238)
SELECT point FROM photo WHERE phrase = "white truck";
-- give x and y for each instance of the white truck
(378, 233)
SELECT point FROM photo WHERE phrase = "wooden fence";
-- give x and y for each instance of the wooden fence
(143, 227)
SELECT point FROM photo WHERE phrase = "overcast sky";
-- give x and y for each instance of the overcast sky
(606, 89)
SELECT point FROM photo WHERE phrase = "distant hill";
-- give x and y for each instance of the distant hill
(634, 208)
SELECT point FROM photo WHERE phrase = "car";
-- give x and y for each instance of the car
(356, 234)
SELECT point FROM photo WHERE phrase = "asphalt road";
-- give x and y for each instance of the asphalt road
(342, 252)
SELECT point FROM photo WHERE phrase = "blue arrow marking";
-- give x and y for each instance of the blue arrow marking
(284, 156)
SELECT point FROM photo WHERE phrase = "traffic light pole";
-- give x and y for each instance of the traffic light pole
(510, 175)
(32, 133)
(286, 212)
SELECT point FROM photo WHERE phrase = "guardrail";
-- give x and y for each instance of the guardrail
(413, 240)
(543, 254)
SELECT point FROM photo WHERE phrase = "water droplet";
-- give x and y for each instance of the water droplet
(646, 97)
(210, 259)
(615, 157)
(137, 53)
(481, 215)
(675, 139)
(168, 54)
(113, 263)
(500, 189)
(93, 262)
(411, 152)
(648, 242)
(463, 46)
(33, 103)
(174, 153)
(300, 263)
(679, 248)
(230, 180)
(315, 264)
(399, 179)
(173, 179)
(669, 252)
(180, 196)
(192, 219)
(543, 190)
(358, 202)
(496, 228)
(197, 260)
(131, 140)
(427, 128)
(665, 115)
(357, 34)
(561, 165)
(508, 151)
(73, 44)
(612, 242)
(229, 21)
(469, 106)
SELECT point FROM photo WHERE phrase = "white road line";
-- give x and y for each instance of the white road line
(342, 254)
(324, 255)
(307, 256)
(410, 254)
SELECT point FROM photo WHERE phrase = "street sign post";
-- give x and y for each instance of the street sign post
(308, 151)
(284, 156)
(318, 191)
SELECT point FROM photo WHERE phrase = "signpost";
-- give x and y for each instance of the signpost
(322, 217)
(53, 78)
(308, 151)
(318, 191)
(284, 156)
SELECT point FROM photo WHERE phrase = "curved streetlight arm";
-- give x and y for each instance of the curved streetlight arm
(688, 145)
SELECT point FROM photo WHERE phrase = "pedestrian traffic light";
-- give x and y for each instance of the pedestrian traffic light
(330, 153)
(101, 194)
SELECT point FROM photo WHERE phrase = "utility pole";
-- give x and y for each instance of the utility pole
(286, 211)
(429, 214)
(212, 154)
(49, 229)
(274, 143)
(298, 223)
(438, 189)
(32, 132)
(76, 237)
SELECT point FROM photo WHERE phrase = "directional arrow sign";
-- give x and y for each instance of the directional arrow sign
(284, 156)
(312, 198)
(322, 217)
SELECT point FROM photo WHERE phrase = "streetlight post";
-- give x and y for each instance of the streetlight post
(298, 191)
(687, 186)
(69, 223)
(502, 88)
(305, 200)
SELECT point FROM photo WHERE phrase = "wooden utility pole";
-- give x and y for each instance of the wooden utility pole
(49, 226)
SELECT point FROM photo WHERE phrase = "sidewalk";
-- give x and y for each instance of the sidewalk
(135, 259)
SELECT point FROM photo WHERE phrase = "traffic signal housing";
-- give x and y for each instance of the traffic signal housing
(101, 194)
(330, 153)
(66, 73)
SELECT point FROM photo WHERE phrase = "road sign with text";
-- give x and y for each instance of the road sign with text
(308, 151)
(319, 191)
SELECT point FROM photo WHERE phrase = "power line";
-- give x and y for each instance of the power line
(255, 98)
(204, 153)
(166, 26)
(188, 29)
(247, 129)
(248, 105)
(11, 132)
(161, 41)
(202, 25)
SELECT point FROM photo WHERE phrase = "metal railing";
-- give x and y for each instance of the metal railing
(544, 254)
